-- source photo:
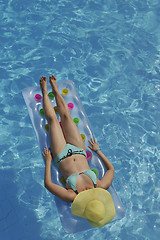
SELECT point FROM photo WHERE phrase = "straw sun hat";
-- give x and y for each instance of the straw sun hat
(96, 205)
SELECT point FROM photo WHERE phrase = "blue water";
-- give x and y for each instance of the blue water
(111, 50)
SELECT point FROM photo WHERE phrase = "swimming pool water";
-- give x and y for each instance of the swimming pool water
(111, 50)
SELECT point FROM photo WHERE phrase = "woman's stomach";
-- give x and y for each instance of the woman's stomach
(74, 164)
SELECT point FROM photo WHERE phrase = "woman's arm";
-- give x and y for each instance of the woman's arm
(62, 193)
(109, 175)
(107, 179)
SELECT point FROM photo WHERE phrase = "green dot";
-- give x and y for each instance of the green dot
(95, 171)
(50, 95)
(62, 180)
(47, 127)
(76, 120)
(41, 111)
(56, 110)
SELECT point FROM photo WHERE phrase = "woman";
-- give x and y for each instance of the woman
(68, 151)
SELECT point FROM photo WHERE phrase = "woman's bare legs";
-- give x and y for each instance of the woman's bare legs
(57, 140)
(70, 130)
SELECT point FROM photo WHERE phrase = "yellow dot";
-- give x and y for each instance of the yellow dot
(65, 91)
(47, 127)
(56, 110)
(83, 137)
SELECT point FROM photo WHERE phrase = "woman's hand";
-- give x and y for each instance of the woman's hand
(47, 155)
(94, 145)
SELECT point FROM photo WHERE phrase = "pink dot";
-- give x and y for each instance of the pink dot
(60, 124)
(89, 155)
(70, 106)
(37, 97)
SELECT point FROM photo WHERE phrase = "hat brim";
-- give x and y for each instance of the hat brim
(82, 199)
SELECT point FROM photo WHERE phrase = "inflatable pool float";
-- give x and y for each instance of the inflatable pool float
(33, 100)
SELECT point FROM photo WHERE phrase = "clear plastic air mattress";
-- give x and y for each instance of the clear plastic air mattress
(33, 100)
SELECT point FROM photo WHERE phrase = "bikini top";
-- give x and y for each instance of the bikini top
(72, 179)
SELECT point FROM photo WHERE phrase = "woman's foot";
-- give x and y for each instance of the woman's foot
(43, 84)
(53, 82)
